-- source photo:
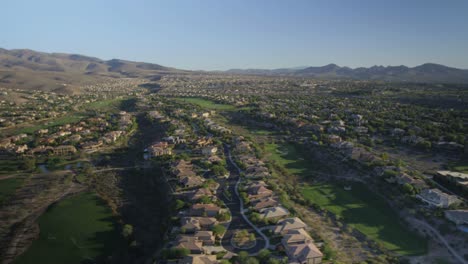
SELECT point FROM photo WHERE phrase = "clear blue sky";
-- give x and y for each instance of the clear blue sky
(216, 34)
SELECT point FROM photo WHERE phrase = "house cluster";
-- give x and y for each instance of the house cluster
(297, 243)
(213, 126)
(205, 146)
(111, 86)
(265, 207)
(203, 212)
(88, 135)
(403, 178)
(183, 171)
(159, 148)
(14, 144)
(32, 105)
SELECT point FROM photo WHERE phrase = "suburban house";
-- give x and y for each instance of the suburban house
(264, 203)
(304, 253)
(211, 150)
(204, 141)
(437, 198)
(296, 236)
(174, 140)
(193, 224)
(199, 259)
(198, 194)
(454, 178)
(159, 149)
(91, 145)
(210, 210)
(258, 192)
(206, 237)
(181, 165)
(333, 139)
(64, 150)
(189, 242)
(191, 181)
(274, 212)
(459, 217)
(283, 226)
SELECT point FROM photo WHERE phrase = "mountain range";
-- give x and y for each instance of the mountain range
(428, 72)
(28, 69)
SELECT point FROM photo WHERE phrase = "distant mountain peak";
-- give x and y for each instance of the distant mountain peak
(427, 72)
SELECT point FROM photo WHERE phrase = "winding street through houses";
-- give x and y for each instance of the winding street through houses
(239, 220)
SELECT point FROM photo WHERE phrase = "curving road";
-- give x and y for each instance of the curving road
(239, 220)
(441, 239)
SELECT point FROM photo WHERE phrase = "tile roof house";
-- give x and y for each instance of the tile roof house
(264, 203)
(64, 150)
(181, 165)
(258, 192)
(437, 198)
(295, 236)
(206, 237)
(199, 193)
(191, 181)
(193, 224)
(274, 212)
(210, 150)
(189, 242)
(199, 259)
(306, 253)
(210, 210)
(459, 217)
(283, 226)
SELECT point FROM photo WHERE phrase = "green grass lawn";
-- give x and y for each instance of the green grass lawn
(369, 214)
(71, 118)
(9, 166)
(461, 165)
(359, 207)
(207, 104)
(76, 229)
(8, 187)
(105, 105)
(288, 156)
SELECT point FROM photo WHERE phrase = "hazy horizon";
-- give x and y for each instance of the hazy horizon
(212, 35)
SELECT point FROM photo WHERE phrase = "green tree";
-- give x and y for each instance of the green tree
(179, 204)
(223, 216)
(273, 261)
(264, 255)
(409, 189)
(218, 170)
(29, 163)
(127, 230)
(218, 230)
(243, 256)
(251, 260)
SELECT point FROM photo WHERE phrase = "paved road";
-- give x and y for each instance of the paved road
(239, 221)
(438, 236)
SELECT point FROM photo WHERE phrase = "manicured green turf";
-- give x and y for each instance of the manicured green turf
(76, 229)
(288, 156)
(67, 119)
(8, 187)
(104, 105)
(367, 213)
(359, 207)
(8, 166)
(207, 104)
(461, 165)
